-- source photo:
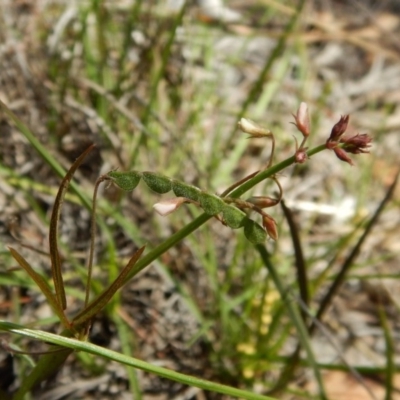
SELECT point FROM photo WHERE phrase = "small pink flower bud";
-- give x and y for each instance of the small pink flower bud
(301, 155)
(269, 225)
(254, 130)
(339, 128)
(263, 201)
(341, 154)
(302, 119)
(166, 207)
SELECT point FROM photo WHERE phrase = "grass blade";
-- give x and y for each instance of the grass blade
(43, 286)
(300, 263)
(296, 319)
(130, 361)
(44, 153)
(53, 231)
(102, 300)
(354, 253)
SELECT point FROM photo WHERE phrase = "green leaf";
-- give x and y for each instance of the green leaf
(102, 300)
(46, 367)
(211, 203)
(183, 190)
(254, 232)
(90, 348)
(43, 286)
(157, 182)
(53, 232)
(125, 180)
(233, 217)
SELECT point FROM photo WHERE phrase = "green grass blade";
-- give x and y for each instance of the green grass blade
(390, 352)
(43, 286)
(46, 367)
(53, 230)
(44, 153)
(130, 361)
(275, 55)
(102, 300)
(295, 317)
(300, 262)
(126, 337)
(355, 251)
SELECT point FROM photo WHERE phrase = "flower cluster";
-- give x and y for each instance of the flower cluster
(232, 211)
(357, 144)
(341, 146)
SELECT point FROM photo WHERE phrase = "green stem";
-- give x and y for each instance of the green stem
(203, 218)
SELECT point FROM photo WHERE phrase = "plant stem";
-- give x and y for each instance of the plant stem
(203, 218)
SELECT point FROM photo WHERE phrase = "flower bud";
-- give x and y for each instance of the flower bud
(341, 155)
(254, 130)
(166, 207)
(263, 201)
(339, 128)
(302, 119)
(269, 225)
(301, 155)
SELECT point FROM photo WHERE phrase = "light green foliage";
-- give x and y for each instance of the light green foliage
(254, 232)
(157, 182)
(210, 203)
(183, 190)
(125, 180)
(233, 217)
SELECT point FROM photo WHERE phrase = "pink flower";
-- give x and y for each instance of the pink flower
(301, 155)
(302, 119)
(166, 207)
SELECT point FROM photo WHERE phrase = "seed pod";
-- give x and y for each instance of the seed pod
(183, 190)
(125, 180)
(157, 182)
(210, 203)
(254, 232)
(233, 217)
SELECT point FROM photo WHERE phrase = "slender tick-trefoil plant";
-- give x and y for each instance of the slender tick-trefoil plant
(228, 207)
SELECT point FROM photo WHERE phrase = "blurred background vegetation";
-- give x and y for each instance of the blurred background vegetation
(160, 86)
